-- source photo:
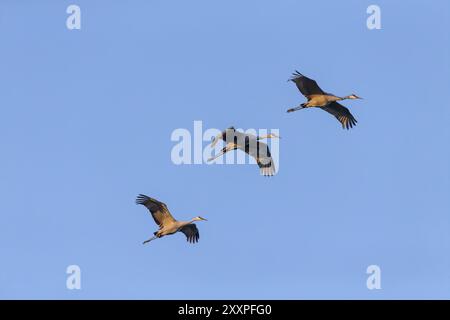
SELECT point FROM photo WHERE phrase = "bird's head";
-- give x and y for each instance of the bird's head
(273, 135)
(268, 136)
(199, 219)
(353, 96)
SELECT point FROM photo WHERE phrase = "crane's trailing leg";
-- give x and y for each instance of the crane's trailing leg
(228, 147)
(152, 238)
(216, 156)
(300, 107)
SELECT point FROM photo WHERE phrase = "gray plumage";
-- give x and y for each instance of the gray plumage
(250, 144)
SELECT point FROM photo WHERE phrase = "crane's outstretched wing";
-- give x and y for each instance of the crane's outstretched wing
(261, 153)
(191, 232)
(159, 210)
(341, 113)
(306, 85)
(265, 161)
(267, 167)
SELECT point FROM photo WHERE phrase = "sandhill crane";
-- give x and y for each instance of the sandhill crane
(250, 144)
(325, 101)
(166, 222)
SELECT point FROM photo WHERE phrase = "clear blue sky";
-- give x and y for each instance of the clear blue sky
(85, 124)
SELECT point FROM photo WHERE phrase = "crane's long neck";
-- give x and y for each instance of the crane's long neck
(182, 224)
(265, 136)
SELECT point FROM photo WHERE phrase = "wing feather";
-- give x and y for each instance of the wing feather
(306, 85)
(158, 210)
(261, 153)
(341, 113)
(191, 233)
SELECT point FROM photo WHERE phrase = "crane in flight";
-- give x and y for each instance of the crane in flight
(250, 144)
(166, 222)
(325, 101)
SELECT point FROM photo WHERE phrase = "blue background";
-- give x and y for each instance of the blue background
(85, 123)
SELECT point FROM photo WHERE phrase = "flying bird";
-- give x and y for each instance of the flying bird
(325, 101)
(250, 144)
(166, 222)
